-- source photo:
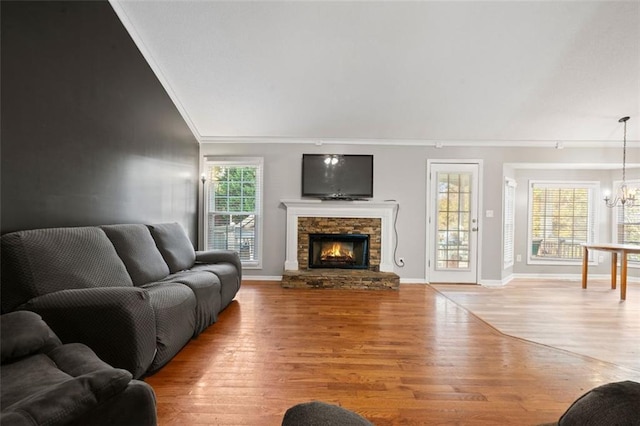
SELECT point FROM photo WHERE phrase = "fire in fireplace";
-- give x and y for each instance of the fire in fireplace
(344, 251)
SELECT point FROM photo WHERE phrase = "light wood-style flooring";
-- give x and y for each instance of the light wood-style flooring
(592, 322)
(407, 357)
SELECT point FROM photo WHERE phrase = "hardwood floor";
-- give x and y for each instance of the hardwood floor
(409, 357)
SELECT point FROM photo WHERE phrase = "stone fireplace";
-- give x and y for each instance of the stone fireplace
(353, 221)
(370, 227)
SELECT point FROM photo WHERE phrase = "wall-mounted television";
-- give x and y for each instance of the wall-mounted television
(337, 176)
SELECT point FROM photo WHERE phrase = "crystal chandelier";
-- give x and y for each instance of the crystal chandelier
(623, 196)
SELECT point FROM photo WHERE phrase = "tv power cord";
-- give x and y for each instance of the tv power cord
(399, 262)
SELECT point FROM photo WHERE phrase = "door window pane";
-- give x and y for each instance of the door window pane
(454, 201)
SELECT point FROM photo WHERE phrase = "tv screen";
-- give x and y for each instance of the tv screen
(337, 176)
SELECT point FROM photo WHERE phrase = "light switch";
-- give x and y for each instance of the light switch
(489, 213)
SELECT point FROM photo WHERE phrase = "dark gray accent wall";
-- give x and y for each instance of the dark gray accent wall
(89, 135)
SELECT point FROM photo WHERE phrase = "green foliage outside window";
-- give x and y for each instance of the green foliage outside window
(234, 188)
(232, 209)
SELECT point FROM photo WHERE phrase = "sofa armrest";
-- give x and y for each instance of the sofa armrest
(219, 256)
(24, 333)
(135, 406)
(77, 359)
(62, 403)
(118, 323)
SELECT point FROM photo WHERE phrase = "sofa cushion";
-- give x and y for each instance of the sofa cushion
(43, 261)
(611, 404)
(174, 245)
(174, 306)
(206, 287)
(27, 376)
(137, 249)
(228, 276)
(24, 333)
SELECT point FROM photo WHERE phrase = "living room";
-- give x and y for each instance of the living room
(91, 136)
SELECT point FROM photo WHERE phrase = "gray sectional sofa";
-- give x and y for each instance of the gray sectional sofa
(134, 293)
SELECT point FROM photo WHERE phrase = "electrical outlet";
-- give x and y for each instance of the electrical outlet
(518, 258)
(401, 261)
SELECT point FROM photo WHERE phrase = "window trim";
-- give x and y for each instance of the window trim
(212, 160)
(594, 209)
(508, 250)
(614, 218)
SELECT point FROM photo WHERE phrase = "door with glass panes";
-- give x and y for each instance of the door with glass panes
(453, 223)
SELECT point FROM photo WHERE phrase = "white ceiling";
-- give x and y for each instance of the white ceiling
(499, 72)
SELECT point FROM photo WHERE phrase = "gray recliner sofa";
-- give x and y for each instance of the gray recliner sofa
(46, 382)
(134, 293)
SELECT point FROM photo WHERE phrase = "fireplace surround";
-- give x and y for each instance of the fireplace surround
(316, 216)
(308, 226)
(371, 218)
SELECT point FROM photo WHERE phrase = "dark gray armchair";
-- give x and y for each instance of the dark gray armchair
(46, 382)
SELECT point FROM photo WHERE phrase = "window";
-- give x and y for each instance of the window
(233, 207)
(627, 222)
(561, 218)
(509, 217)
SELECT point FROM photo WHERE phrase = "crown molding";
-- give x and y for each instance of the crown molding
(418, 142)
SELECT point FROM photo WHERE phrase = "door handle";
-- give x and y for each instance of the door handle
(474, 229)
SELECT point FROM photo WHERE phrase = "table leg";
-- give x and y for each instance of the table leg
(614, 269)
(585, 265)
(623, 277)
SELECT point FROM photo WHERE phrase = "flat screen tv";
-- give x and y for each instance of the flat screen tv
(337, 176)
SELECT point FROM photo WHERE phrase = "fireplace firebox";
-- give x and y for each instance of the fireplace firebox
(342, 251)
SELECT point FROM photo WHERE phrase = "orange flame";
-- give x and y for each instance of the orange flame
(336, 250)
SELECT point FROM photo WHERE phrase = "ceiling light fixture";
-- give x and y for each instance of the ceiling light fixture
(623, 196)
(331, 160)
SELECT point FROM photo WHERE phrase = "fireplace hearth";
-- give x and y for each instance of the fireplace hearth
(340, 251)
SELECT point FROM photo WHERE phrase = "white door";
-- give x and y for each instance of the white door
(452, 235)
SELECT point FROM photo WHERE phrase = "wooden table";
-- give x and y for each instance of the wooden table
(623, 250)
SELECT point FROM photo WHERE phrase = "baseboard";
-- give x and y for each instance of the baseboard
(486, 283)
(572, 277)
(279, 278)
(568, 277)
(495, 283)
(413, 281)
(262, 278)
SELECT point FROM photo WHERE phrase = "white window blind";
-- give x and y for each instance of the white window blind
(233, 207)
(509, 218)
(627, 222)
(561, 218)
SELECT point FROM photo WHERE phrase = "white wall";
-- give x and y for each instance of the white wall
(400, 174)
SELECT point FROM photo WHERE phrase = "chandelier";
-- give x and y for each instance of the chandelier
(623, 196)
